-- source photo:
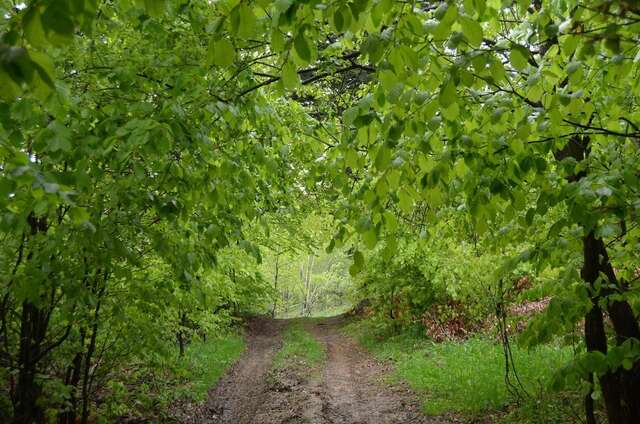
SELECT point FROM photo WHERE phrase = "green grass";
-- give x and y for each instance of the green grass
(299, 347)
(332, 311)
(208, 361)
(467, 377)
(321, 313)
(148, 389)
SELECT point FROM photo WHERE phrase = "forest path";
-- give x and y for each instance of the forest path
(347, 388)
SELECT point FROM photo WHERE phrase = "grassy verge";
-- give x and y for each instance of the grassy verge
(467, 378)
(332, 311)
(208, 361)
(150, 389)
(320, 313)
(299, 347)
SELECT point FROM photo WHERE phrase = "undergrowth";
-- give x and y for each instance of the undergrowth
(300, 347)
(208, 361)
(148, 391)
(467, 377)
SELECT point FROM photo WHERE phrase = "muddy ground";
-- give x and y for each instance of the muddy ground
(348, 388)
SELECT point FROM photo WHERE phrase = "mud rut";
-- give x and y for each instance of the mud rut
(346, 389)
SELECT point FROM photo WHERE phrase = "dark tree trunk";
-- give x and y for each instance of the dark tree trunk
(182, 336)
(72, 379)
(181, 343)
(33, 327)
(588, 404)
(620, 387)
(87, 377)
(594, 331)
(625, 325)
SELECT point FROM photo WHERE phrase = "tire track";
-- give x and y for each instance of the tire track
(348, 388)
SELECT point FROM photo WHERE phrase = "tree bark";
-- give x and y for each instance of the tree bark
(620, 387)
(588, 404)
(594, 331)
(32, 331)
(275, 286)
(72, 379)
(87, 377)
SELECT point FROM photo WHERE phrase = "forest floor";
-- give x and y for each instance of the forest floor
(347, 387)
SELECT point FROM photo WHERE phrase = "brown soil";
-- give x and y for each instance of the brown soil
(348, 388)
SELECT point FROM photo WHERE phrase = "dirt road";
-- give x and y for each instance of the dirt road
(346, 389)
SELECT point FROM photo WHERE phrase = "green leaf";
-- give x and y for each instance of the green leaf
(405, 201)
(518, 57)
(79, 215)
(155, 8)
(338, 20)
(57, 23)
(595, 362)
(59, 137)
(42, 81)
(301, 45)
(447, 93)
(472, 30)
(290, 76)
(358, 258)
(10, 90)
(390, 221)
(451, 112)
(33, 29)
(243, 21)
(390, 249)
(330, 246)
(358, 263)
(351, 158)
(383, 158)
(370, 238)
(6, 187)
(221, 53)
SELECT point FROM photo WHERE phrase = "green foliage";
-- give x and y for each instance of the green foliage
(432, 270)
(208, 361)
(299, 348)
(468, 377)
(150, 390)
(307, 280)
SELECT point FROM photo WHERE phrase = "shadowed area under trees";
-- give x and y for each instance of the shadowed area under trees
(462, 176)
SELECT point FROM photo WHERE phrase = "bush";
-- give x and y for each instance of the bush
(420, 276)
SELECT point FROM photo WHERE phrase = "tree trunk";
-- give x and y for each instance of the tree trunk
(620, 387)
(182, 337)
(588, 403)
(87, 378)
(33, 328)
(594, 331)
(74, 372)
(307, 287)
(275, 287)
(181, 343)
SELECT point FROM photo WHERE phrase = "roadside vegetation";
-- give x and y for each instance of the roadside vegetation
(466, 378)
(173, 384)
(458, 321)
